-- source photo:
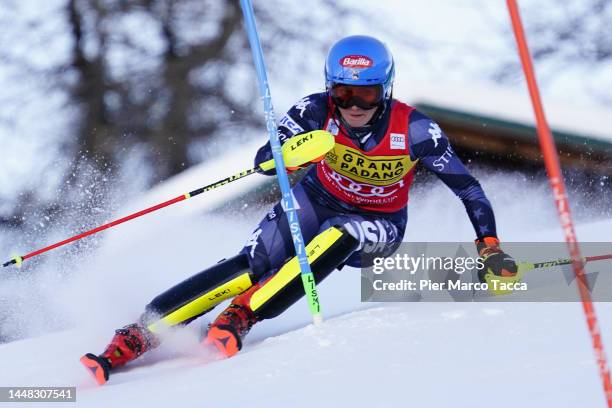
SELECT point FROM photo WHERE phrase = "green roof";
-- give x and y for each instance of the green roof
(505, 127)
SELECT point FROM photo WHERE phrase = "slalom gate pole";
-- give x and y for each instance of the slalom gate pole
(18, 260)
(288, 201)
(553, 169)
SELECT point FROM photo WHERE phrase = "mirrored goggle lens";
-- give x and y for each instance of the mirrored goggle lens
(365, 97)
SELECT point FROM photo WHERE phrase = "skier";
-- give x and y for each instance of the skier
(350, 203)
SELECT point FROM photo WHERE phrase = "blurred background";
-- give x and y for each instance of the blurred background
(103, 100)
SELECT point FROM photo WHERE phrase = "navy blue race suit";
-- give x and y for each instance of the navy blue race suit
(271, 244)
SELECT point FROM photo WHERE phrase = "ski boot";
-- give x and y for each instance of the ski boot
(128, 343)
(232, 325)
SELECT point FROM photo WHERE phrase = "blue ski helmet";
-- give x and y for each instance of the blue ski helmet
(360, 60)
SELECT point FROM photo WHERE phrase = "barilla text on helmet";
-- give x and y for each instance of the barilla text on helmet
(356, 61)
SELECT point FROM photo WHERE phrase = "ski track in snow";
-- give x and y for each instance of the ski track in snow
(365, 354)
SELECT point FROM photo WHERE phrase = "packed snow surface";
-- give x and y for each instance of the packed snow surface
(364, 354)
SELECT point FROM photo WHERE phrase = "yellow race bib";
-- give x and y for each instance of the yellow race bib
(375, 170)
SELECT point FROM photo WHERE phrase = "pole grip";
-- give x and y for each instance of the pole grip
(18, 260)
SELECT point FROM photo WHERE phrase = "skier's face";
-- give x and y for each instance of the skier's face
(357, 117)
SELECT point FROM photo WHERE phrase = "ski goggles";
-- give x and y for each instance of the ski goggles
(364, 96)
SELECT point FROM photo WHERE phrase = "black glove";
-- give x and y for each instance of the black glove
(496, 262)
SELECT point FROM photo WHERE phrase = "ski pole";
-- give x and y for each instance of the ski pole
(564, 261)
(297, 151)
(283, 181)
(18, 260)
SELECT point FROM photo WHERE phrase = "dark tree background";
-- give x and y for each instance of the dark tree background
(146, 86)
(127, 93)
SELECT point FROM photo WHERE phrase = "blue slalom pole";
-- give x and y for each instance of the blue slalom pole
(281, 173)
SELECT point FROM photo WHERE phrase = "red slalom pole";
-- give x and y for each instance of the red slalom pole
(553, 169)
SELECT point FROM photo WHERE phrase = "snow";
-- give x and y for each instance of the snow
(410, 354)
(364, 354)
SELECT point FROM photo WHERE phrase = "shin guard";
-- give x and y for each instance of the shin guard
(325, 252)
